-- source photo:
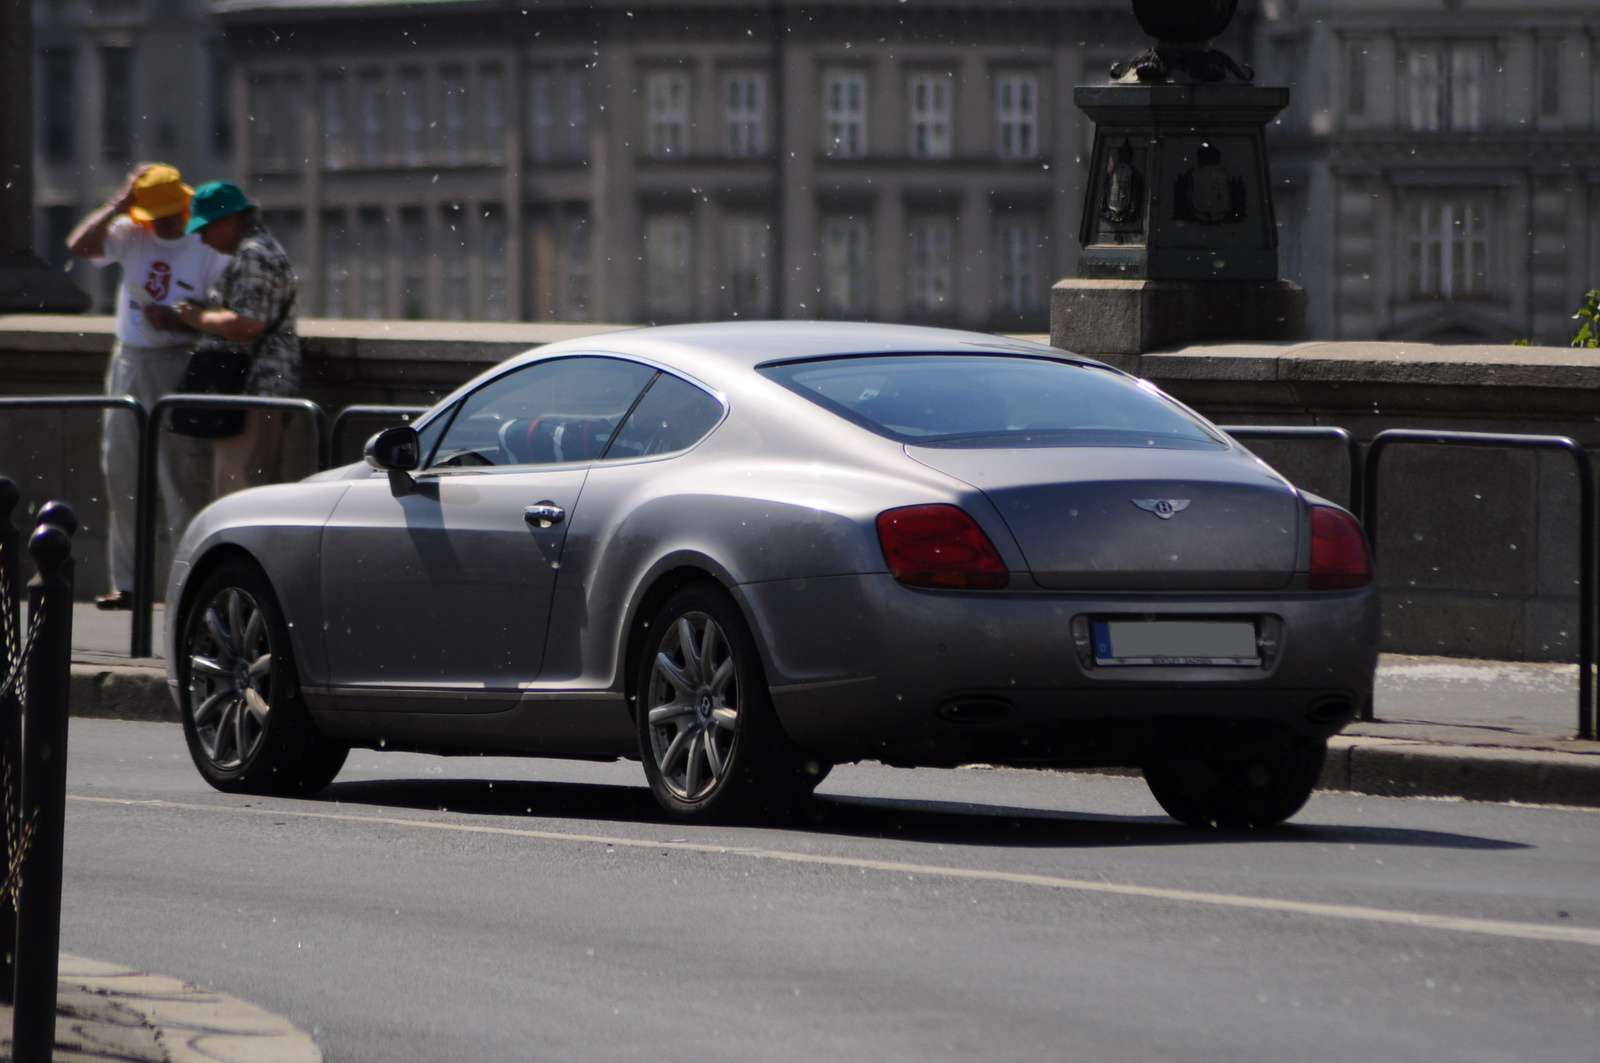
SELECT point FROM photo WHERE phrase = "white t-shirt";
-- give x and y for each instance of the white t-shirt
(157, 271)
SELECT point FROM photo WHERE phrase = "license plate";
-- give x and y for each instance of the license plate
(1176, 642)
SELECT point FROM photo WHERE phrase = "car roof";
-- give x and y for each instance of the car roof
(746, 344)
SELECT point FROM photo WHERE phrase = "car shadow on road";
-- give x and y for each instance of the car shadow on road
(936, 822)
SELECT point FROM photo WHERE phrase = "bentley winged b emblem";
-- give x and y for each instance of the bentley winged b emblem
(1162, 507)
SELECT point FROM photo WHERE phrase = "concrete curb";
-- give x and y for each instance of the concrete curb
(1397, 768)
(111, 1013)
(121, 692)
(1385, 767)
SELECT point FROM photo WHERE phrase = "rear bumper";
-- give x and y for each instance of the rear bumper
(863, 667)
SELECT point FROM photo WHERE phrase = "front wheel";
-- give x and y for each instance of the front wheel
(1251, 787)
(247, 728)
(711, 744)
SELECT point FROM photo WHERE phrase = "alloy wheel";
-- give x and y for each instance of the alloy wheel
(693, 704)
(230, 678)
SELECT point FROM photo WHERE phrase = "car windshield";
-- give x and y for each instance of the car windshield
(995, 401)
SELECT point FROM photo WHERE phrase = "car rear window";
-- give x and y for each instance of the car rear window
(995, 401)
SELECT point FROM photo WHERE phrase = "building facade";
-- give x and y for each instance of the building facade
(912, 161)
(1438, 174)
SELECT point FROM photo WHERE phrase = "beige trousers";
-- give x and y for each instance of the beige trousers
(251, 458)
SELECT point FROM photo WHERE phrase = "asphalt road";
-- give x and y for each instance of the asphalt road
(486, 910)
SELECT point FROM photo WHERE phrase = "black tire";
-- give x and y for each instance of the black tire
(712, 746)
(1255, 786)
(247, 727)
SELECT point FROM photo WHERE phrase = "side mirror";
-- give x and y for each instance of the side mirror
(396, 451)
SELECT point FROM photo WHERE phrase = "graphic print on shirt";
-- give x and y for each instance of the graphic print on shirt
(159, 282)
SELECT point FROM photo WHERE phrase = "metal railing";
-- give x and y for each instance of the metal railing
(38, 661)
(145, 562)
(342, 420)
(1586, 527)
(1352, 449)
(144, 502)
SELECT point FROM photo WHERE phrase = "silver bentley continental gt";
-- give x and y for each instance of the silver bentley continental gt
(743, 553)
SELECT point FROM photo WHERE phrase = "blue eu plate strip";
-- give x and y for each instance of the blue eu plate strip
(1102, 640)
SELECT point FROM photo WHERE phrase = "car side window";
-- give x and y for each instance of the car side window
(545, 413)
(673, 415)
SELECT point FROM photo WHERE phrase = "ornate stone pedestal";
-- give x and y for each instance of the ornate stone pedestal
(1179, 240)
(1110, 318)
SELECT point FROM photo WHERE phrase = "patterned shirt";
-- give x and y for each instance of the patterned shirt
(259, 283)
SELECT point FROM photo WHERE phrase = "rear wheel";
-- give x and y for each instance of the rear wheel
(247, 728)
(711, 744)
(1254, 786)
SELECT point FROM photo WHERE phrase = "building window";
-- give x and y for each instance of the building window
(1549, 78)
(453, 263)
(666, 253)
(1289, 214)
(453, 116)
(930, 262)
(844, 267)
(558, 116)
(930, 116)
(1017, 116)
(371, 102)
(667, 114)
(845, 115)
(1017, 244)
(492, 85)
(575, 268)
(116, 104)
(333, 134)
(1355, 78)
(1447, 86)
(542, 115)
(411, 116)
(222, 65)
(743, 96)
(373, 238)
(577, 114)
(275, 111)
(745, 242)
(492, 239)
(288, 227)
(58, 126)
(1449, 249)
(335, 265)
(414, 259)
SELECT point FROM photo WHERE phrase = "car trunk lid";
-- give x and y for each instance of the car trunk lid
(1109, 518)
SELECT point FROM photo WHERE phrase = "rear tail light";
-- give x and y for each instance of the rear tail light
(1339, 557)
(940, 546)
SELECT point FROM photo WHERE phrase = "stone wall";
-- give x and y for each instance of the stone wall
(1477, 548)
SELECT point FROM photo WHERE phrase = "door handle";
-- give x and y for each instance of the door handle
(544, 514)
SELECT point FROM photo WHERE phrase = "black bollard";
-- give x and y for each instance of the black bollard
(44, 788)
(10, 718)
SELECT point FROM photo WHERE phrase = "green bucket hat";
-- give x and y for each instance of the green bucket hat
(214, 200)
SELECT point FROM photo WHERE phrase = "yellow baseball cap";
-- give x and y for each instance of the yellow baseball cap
(159, 192)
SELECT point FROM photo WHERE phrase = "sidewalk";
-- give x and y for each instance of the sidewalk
(108, 1013)
(1446, 727)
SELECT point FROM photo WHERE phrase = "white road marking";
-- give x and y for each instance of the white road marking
(1571, 935)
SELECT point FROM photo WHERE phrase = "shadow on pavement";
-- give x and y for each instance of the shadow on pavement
(941, 822)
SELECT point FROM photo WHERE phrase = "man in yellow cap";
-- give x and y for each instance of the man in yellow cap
(143, 231)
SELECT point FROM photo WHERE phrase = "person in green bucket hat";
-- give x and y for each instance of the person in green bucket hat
(250, 308)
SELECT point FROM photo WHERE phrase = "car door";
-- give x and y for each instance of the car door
(439, 599)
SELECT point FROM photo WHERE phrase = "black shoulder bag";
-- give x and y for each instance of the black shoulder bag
(220, 371)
